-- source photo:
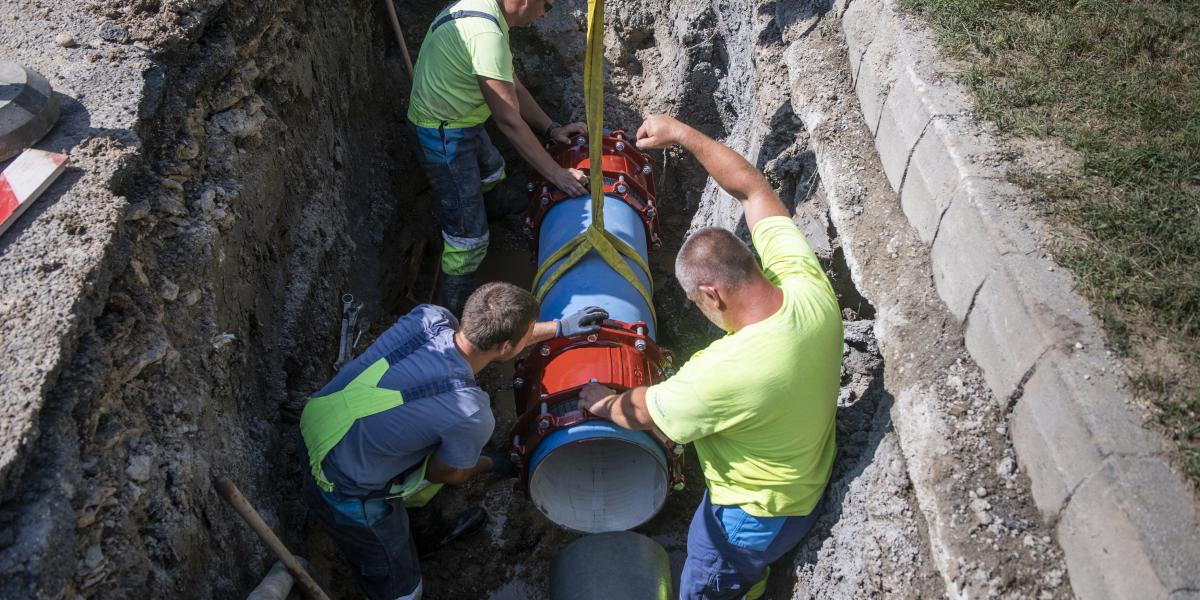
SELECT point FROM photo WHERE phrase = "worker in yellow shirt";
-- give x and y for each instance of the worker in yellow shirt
(759, 404)
(464, 74)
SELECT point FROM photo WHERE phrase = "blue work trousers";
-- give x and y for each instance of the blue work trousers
(382, 554)
(461, 164)
(728, 550)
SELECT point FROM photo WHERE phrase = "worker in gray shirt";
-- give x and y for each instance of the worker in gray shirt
(406, 417)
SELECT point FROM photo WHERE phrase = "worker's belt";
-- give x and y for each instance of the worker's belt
(411, 487)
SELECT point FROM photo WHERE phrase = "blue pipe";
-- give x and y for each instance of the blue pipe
(591, 282)
(597, 476)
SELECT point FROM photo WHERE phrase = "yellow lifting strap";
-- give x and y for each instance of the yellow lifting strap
(612, 249)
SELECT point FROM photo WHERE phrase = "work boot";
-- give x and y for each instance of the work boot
(431, 531)
(502, 201)
(455, 290)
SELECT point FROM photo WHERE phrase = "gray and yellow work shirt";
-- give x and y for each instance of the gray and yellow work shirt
(443, 409)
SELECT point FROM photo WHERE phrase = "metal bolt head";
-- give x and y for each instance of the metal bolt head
(529, 186)
(646, 170)
(515, 457)
(545, 200)
(543, 424)
(518, 383)
(678, 487)
(620, 146)
(670, 372)
(678, 450)
(640, 345)
(544, 350)
(592, 338)
(621, 188)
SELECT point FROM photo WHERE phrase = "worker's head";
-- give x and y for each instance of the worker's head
(712, 267)
(519, 13)
(499, 318)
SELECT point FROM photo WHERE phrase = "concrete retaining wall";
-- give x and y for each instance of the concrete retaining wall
(1126, 522)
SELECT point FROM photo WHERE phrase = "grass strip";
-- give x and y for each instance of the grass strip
(1119, 82)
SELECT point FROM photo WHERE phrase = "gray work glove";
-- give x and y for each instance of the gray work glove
(582, 322)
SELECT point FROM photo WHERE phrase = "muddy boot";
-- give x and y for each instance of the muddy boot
(502, 201)
(455, 290)
(431, 531)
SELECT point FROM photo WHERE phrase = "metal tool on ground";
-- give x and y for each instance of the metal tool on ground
(234, 497)
(350, 331)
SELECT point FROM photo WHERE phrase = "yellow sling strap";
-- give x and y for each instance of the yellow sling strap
(611, 248)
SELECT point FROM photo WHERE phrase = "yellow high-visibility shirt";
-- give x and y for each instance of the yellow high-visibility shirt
(760, 404)
(445, 82)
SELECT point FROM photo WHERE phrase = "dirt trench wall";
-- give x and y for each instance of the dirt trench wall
(272, 150)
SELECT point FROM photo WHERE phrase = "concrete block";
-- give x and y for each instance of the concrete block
(1070, 418)
(864, 18)
(978, 227)
(1131, 530)
(875, 77)
(905, 117)
(1010, 325)
(948, 153)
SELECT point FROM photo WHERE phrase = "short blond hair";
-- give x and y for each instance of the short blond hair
(714, 256)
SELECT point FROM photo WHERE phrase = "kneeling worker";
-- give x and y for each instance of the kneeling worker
(759, 403)
(406, 417)
(464, 74)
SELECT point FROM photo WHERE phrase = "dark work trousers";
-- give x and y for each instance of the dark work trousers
(382, 554)
(728, 551)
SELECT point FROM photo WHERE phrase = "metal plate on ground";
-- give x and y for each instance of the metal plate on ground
(28, 108)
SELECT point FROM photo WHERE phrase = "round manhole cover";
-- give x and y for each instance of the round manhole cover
(28, 109)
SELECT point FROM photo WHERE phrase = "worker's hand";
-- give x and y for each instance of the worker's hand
(659, 131)
(591, 396)
(582, 322)
(566, 132)
(572, 181)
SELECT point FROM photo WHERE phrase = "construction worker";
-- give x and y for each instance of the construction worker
(759, 403)
(464, 73)
(406, 417)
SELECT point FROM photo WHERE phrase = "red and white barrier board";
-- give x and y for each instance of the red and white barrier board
(24, 180)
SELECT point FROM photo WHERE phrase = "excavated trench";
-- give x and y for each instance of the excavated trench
(277, 175)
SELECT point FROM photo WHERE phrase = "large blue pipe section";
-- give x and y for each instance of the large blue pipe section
(595, 476)
(591, 282)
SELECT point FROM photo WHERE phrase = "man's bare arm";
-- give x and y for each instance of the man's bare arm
(627, 409)
(501, 97)
(732, 172)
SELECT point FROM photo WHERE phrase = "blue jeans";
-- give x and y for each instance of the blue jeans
(382, 555)
(729, 550)
(461, 164)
